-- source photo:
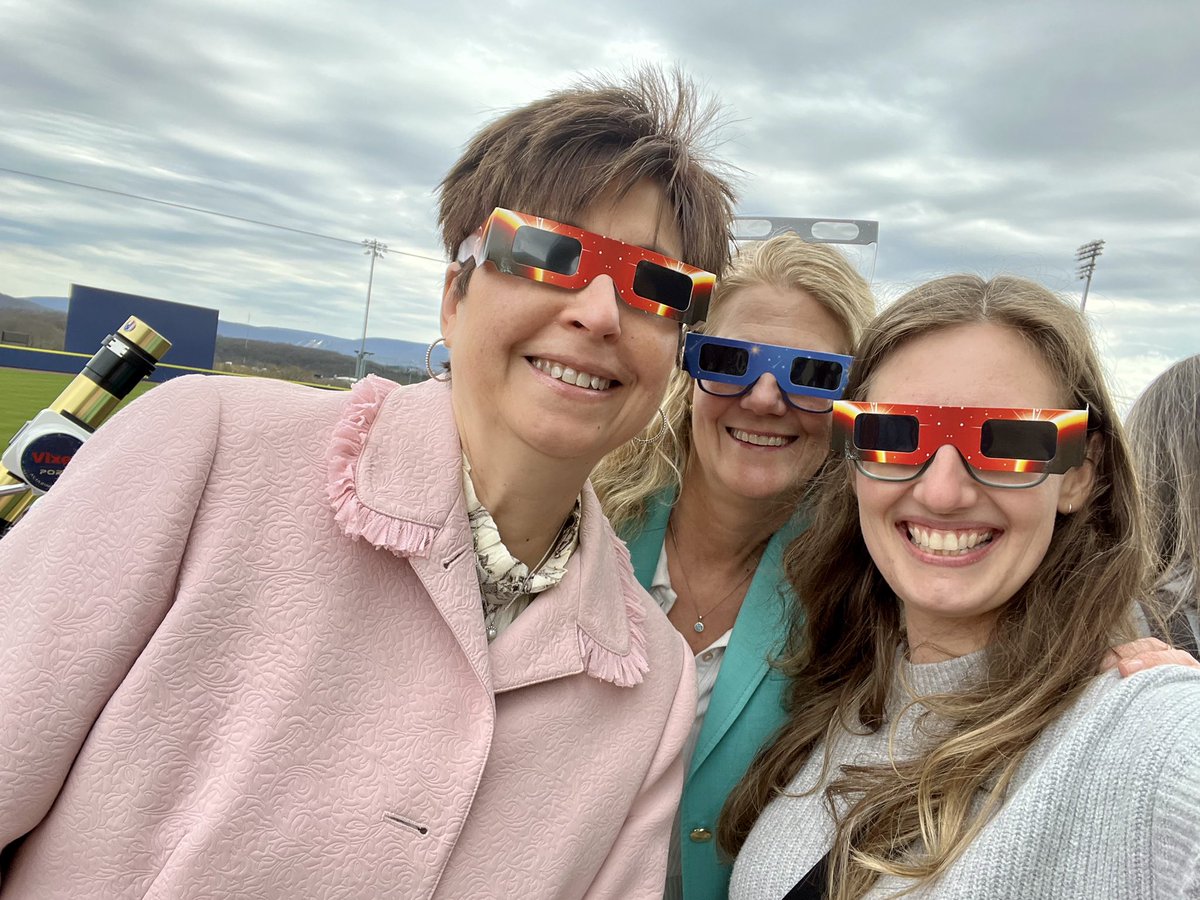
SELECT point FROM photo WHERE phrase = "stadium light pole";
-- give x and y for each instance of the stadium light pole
(1086, 257)
(374, 249)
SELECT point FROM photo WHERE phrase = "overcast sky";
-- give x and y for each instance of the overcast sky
(984, 138)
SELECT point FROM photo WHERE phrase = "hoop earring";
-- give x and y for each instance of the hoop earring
(429, 359)
(662, 429)
(1070, 508)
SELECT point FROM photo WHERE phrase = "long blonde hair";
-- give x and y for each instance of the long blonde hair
(629, 476)
(1164, 429)
(914, 818)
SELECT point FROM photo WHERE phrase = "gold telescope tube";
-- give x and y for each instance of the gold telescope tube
(123, 360)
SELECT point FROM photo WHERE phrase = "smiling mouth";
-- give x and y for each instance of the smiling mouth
(572, 376)
(948, 543)
(760, 440)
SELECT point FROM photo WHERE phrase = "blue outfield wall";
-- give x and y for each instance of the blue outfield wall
(95, 313)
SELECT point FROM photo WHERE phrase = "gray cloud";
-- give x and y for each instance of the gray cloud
(983, 139)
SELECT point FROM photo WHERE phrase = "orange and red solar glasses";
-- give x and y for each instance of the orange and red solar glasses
(569, 257)
(1001, 446)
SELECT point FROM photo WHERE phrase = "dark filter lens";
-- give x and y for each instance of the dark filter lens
(118, 366)
(716, 359)
(816, 373)
(662, 285)
(890, 433)
(546, 250)
(1010, 439)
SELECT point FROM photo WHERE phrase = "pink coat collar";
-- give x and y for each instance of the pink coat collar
(395, 480)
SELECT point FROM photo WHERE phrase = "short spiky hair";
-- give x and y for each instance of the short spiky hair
(556, 156)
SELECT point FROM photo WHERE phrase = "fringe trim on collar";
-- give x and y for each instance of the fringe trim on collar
(355, 517)
(607, 665)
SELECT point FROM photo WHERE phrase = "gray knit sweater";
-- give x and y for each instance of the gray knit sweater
(1106, 805)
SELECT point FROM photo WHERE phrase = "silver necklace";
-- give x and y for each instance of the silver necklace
(699, 626)
(492, 609)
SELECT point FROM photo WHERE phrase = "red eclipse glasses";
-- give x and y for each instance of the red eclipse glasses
(1002, 447)
(569, 257)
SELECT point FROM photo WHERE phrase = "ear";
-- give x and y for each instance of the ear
(451, 298)
(1077, 484)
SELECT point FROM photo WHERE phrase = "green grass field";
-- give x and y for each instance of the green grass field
(23, 394)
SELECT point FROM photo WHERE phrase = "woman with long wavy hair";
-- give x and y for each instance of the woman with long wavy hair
(1164, 429)
(964, 575)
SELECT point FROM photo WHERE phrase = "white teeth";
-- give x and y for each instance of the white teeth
(949, 543)
(571, 376)
(761, 440)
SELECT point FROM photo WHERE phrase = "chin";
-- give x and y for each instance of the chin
(571, 447)
(773, 492)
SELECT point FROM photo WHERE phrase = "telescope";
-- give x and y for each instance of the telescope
(40, 451)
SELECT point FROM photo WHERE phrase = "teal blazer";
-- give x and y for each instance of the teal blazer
(747, 700)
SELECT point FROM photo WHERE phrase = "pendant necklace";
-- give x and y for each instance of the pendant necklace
(699, 626)
(522, 586)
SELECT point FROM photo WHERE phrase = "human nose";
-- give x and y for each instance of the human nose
(946, 485)
(596, 308)
(765, 397)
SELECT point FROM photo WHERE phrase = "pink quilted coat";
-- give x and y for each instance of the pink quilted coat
(242, 655)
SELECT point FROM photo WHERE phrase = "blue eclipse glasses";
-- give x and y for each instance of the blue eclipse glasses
(808, 379)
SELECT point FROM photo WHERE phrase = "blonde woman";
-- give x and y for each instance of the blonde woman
(965, 573)
(746, 442)
(1164, 429)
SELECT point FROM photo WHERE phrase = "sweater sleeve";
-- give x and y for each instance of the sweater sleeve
(1175, 835)
(87, 576)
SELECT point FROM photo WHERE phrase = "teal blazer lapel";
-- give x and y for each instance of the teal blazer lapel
(646, 545)
(758, 633)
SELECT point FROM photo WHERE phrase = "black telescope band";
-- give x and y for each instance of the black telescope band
(117, 367)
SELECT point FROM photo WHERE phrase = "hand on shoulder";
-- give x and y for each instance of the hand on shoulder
(1145, 653)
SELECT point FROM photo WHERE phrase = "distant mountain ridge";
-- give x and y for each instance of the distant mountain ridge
(385, 351)
(30, 304)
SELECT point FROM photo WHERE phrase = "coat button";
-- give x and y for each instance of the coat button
(700, 835)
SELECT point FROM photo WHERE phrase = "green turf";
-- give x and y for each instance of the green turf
(23, 393)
